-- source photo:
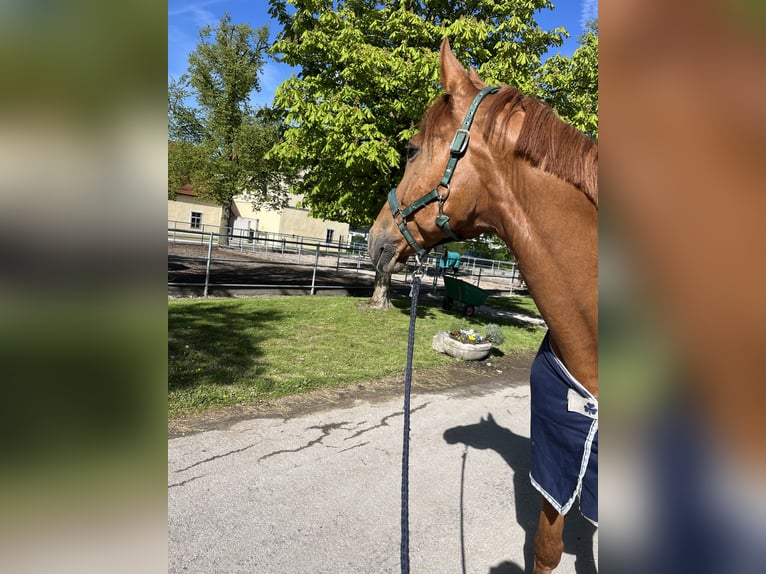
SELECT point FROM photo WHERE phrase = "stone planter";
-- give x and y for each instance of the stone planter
(443, 343)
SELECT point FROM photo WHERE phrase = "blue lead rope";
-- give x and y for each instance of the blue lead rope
(457, 150)
(405, 545)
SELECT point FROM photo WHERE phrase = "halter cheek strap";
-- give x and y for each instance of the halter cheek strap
(457, 150)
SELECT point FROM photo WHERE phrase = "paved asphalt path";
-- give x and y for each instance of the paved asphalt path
(320, 492)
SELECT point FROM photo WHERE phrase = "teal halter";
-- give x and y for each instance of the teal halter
(457, 150)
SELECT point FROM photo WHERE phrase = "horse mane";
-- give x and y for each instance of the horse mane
(545, 141)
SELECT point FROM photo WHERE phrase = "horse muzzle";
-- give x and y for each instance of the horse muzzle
(383, 253)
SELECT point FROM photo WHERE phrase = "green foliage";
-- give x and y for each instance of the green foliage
(494, 334)
(220, 147)
(358, 240)
(187, 165)
(368, 72)
(487, 246)
(570, 86)
(224, 72)
(184, 124)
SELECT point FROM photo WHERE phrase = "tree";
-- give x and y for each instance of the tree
(368, 72)
(220, 147)
(184, 125)
(570, 85)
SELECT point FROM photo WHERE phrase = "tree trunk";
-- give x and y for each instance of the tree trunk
(381, 297)
(224, 227)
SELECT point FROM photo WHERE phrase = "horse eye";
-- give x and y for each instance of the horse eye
(412, 151)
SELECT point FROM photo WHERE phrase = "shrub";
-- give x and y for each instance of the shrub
(493, 334)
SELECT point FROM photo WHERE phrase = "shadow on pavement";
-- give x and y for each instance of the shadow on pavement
(515, 451)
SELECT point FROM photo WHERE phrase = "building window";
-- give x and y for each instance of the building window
(196, 220)
(329, 235)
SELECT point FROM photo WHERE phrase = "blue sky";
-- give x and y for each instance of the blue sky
(185, 18)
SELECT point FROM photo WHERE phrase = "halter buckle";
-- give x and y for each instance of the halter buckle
(459, 142)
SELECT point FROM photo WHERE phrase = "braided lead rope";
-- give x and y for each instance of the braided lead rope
(405, 544)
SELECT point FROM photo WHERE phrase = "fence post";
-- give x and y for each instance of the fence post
(207, 265)
(513, 277)
(314, 275)
(478, 279)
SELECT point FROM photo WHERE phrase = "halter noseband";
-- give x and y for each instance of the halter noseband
(456, 151)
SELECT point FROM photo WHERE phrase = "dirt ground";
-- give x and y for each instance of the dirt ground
(248, 273)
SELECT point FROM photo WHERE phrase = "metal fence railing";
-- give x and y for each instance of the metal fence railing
(335, 260)
(181, 231)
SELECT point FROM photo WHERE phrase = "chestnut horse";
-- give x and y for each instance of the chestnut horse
(524, 174)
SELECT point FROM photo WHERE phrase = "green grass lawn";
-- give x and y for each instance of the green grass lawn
(230, 351)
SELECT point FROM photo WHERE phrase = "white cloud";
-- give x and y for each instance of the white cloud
(184, 22)
(197, 11)
(588, 11)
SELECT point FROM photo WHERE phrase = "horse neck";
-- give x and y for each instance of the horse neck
(552, 228)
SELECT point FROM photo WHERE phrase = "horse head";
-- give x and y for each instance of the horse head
(434, 202)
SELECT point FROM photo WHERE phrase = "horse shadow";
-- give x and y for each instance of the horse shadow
(515, 451)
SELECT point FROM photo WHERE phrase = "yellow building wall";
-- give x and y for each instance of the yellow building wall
(298, 222)
(179, 211)
(267, 220)
(290, 221)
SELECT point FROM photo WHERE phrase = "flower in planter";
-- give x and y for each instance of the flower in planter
(469, 336)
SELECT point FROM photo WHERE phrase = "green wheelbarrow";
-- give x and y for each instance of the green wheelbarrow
(458, 290)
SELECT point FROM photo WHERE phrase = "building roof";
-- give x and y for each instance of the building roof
(187, 190)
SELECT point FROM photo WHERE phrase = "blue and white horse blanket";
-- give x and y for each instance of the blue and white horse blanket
(564, 433)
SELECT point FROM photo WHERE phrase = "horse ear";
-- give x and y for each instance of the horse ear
(454, 78)
(475, 79)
